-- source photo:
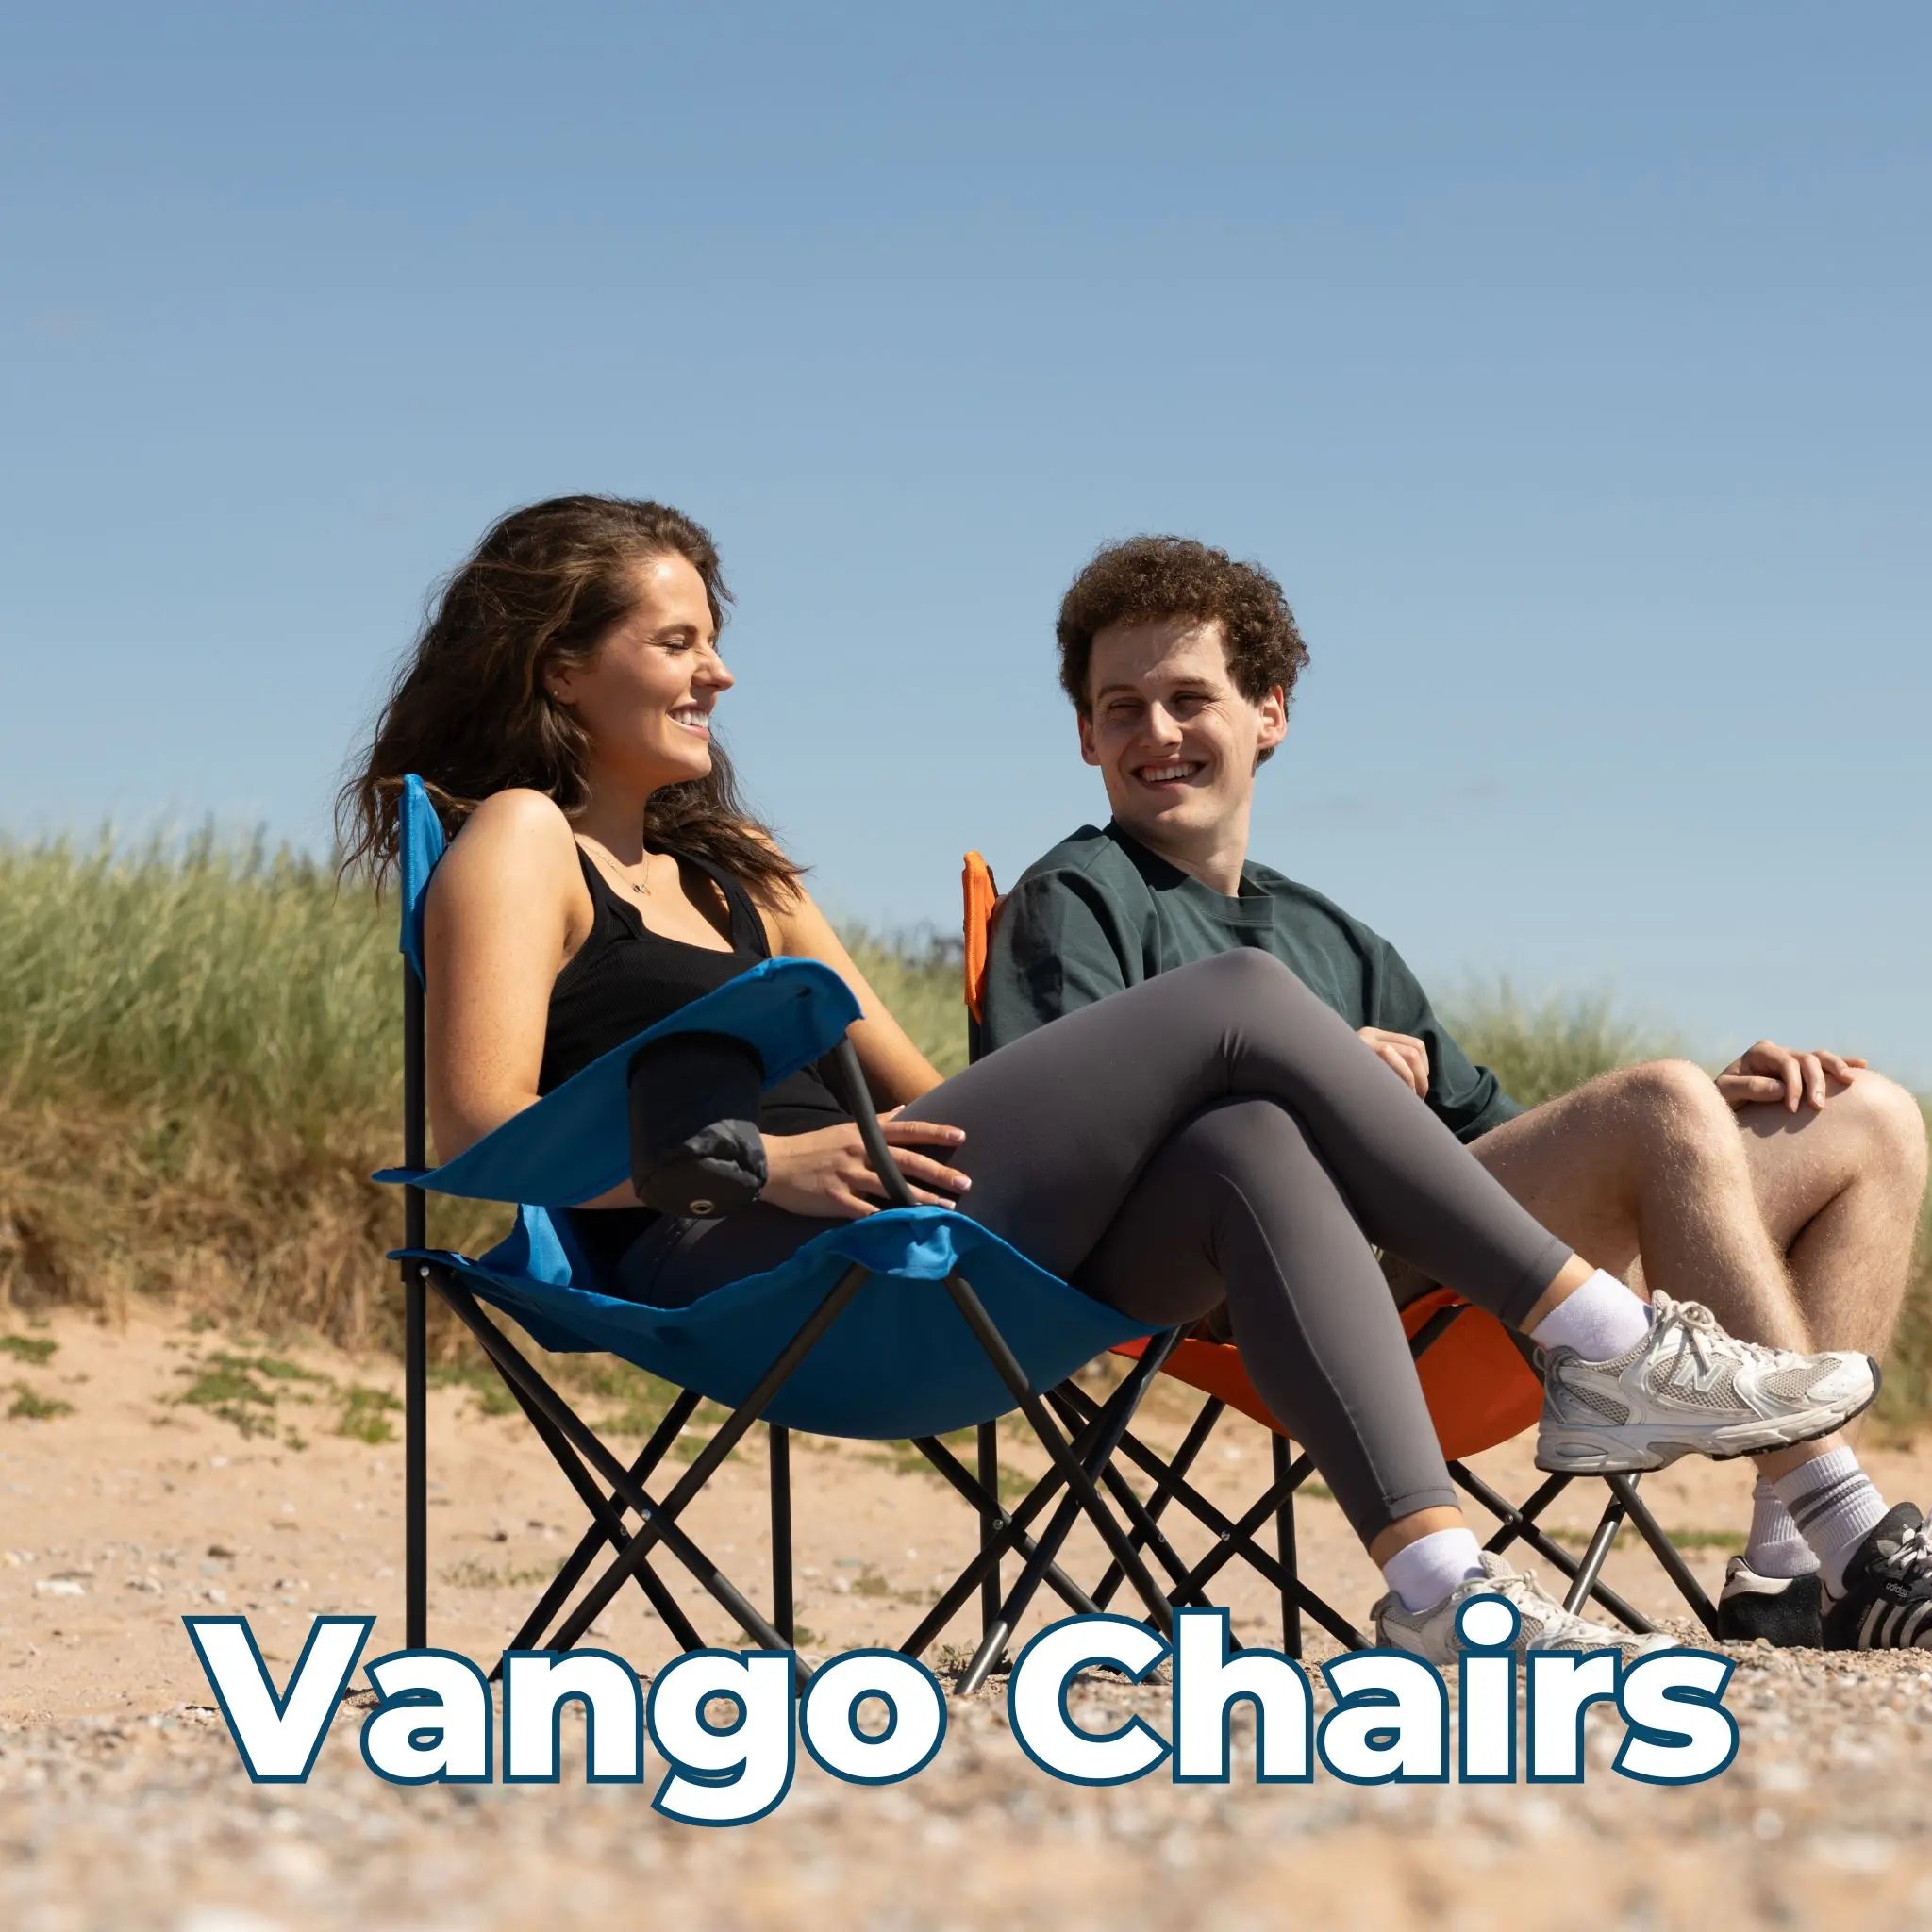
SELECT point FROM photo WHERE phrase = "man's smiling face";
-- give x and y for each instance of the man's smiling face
(1175, 739)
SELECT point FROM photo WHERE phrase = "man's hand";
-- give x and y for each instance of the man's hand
(1403, 1053)
(1768, 1073)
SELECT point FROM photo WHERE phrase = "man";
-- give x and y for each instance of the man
(1783, 1194)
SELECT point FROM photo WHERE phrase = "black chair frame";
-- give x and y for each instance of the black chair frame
(632, 1524)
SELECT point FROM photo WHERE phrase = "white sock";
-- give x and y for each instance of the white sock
(1423, 1572)
(1777, 1546)
(1601, 1321)
(1835, 1507)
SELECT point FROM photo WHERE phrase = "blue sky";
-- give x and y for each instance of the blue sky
(1567, 363)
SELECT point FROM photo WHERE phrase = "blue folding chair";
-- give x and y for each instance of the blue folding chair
(857, 1335)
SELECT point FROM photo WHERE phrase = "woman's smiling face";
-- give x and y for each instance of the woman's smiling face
(644, 695)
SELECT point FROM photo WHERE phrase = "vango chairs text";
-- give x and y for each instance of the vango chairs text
(1480, 1385)
(908, 1323)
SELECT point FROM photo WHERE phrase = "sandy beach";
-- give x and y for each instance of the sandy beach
(123, 1802)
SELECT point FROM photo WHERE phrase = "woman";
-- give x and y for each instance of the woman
(1214, 1134)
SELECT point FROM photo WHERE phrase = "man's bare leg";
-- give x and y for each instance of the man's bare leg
(1647, 1164)
(1792, 1228)
(1839, 1191)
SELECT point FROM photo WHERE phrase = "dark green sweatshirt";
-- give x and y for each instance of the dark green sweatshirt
(1100, 911)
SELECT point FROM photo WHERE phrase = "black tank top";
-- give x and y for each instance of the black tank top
(625, 977)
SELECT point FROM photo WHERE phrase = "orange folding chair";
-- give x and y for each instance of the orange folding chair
(1479, 1381)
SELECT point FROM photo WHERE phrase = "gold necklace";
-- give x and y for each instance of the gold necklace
(643, 891)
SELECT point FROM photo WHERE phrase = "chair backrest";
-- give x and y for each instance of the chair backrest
(420, 843)
(981, 907)
(982, 903)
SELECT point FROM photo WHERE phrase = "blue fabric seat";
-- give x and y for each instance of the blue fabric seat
(892, 1365)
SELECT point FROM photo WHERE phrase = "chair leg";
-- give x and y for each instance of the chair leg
(1236, 1539)
(661, 1519)
(606, 1527)
(1163, 1493)
(607, 1518)
(1078, 1478)
(1079, 1474)
(1521, 1524)
(658, 1522)
(1008, 1534)
(1141, 1525)
(992, 1645)
(782, 1617)
(989, 1522)
(1011, 1526)
(415, 1458)
(1594, 1553)
(605, 1510)
(1665, 1551)
(1285, 1548)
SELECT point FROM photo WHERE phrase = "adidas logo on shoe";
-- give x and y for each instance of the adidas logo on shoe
(1887, 1600)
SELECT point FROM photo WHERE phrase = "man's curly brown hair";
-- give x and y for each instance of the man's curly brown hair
(1149, 578)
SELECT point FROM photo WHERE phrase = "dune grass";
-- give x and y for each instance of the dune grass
(1542, 1048)
(200, 1065)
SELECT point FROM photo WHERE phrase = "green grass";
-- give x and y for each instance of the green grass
(366, 1412)
(224, 1385)
(1540, 1049)
(1730, 1540)
(470, 1574)
(29, 1405)
(212, 979)
(200, 1064)
(492, 1396)
(919, 978)
(247, 1391)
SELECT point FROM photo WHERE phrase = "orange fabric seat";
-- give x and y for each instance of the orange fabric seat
(1480, 1390)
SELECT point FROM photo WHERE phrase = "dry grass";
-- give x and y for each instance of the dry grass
(200, 1066)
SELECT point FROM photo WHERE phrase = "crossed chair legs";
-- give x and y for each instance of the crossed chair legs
(1237, 1537)
(613, 1493)
(1086, 1441)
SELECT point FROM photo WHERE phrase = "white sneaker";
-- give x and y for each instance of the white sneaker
(1691, 1389)
(1542, 1622)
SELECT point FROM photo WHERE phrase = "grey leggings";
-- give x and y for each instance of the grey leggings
(1216, 1133)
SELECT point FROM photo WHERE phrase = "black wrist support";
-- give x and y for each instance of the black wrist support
(694, 1143)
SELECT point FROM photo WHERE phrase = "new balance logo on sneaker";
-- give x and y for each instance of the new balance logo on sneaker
(1691, 1389)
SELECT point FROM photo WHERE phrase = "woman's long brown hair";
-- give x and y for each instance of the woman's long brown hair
(470, 713)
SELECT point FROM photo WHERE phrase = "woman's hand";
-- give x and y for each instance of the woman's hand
(825, 1173)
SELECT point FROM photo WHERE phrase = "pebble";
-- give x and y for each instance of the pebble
(1827, 1799)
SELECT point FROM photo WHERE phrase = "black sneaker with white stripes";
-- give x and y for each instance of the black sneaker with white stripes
(1786, 1611)
(1887, 1602)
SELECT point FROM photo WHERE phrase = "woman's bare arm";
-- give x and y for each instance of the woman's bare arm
(894, 1069)
(497, 928)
